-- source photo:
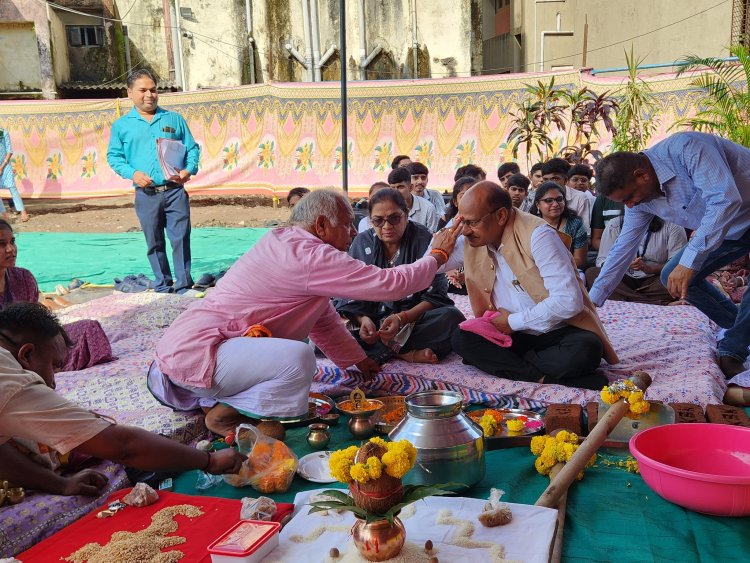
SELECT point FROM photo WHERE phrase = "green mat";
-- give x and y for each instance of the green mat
(611, 516)
(57, 258)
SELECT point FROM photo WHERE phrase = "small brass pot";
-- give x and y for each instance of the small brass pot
(16, 495)
(318, 436)
(378, 541)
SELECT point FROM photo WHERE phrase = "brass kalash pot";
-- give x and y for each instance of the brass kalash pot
(450, 446)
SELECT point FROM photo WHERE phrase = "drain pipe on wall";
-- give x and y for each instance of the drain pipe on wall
(362, 40)
(414, 43)
(250, 40)
(323, 60)
(308, 39)
(315, 39)
(177, 44)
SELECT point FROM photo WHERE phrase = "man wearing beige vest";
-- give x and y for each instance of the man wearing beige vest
(517, 265)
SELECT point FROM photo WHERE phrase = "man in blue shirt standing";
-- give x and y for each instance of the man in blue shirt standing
(700, 182)
(160, 203)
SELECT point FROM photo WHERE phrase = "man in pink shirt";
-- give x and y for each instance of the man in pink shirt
(284, 284)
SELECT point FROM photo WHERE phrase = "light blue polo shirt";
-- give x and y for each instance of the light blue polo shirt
(132, 145)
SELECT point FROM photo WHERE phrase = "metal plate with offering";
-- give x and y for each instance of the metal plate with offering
(391, 414)
(533, 423)
(318, 405)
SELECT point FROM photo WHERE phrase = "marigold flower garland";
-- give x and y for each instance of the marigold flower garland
(555, 449)
(398, 459)
(626, 389)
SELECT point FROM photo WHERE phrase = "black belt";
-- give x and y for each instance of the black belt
(161, 189)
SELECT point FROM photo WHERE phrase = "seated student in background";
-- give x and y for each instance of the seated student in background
(517, 266)
(518, 189)
(459, 188)
(471, 170)
(419, 179)
(400, 161)
(364, 223)
(90, 345)
(33, 346)
(641, 282)
(579, 178)
(420, 209)
(535, 175)
(296, 194)
(549, 204)
(505, 171)
(604, 211)
(425, 320)
(556, 170)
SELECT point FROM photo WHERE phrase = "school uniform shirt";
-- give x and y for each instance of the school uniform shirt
(662, 245)
(132, 144)
(424, 213)
(31, 410)
(560, 279)
(581, 204)
(705, 182)
(436, 199)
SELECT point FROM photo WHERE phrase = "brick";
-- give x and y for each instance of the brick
(726, 414)
(565, 417)
(688, 412)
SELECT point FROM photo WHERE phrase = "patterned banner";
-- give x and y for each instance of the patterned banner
(268, 138)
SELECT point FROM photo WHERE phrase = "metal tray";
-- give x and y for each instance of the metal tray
(323, 405)
(392, 404)
(534, 423)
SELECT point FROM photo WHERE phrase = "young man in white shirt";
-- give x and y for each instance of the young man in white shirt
(420, 209)
(516, 264)
(419, 178)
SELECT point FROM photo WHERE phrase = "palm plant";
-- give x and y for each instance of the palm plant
(526, 131)
(725, 108)
(637, 118)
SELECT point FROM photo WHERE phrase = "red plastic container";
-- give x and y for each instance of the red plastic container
(248, 541)
(702, 467)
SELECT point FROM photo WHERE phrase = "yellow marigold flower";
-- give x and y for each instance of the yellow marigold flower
(340, 469)
(573, 438)
(609, 397)
(635, 397)
(562, 436)
(374, 467)
(592, 461)
(640, 407)
(488, 424)
(411, 451)
(631, 465)
(569, 450)
(537, 444)
(541, 467)
(396, 463)
(515, 425)
(380, 442)
(359, 473)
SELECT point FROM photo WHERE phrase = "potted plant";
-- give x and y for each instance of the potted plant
(373, 472)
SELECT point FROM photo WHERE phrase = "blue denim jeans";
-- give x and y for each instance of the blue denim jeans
(168, 211)
(717, 306)
(17, 201)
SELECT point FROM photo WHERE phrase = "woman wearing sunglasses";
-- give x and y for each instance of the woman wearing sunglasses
(417, 328)
(549, 204)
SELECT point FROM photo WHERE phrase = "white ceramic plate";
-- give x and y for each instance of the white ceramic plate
(314, 467)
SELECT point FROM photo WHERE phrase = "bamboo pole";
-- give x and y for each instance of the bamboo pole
(558, 486)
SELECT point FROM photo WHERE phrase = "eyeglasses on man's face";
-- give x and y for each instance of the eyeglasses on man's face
(551, 200)
(474, 223)
(394, 220)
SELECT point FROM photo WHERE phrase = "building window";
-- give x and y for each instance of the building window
(85, 35)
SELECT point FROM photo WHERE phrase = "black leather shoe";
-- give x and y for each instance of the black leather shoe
(731, 366)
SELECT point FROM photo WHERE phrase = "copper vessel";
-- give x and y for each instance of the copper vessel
(379, 540)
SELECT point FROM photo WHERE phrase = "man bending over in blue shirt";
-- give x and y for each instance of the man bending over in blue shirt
(160, 202)
(700, 182)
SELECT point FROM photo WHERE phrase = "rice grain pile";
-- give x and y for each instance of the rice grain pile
(146, 545)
